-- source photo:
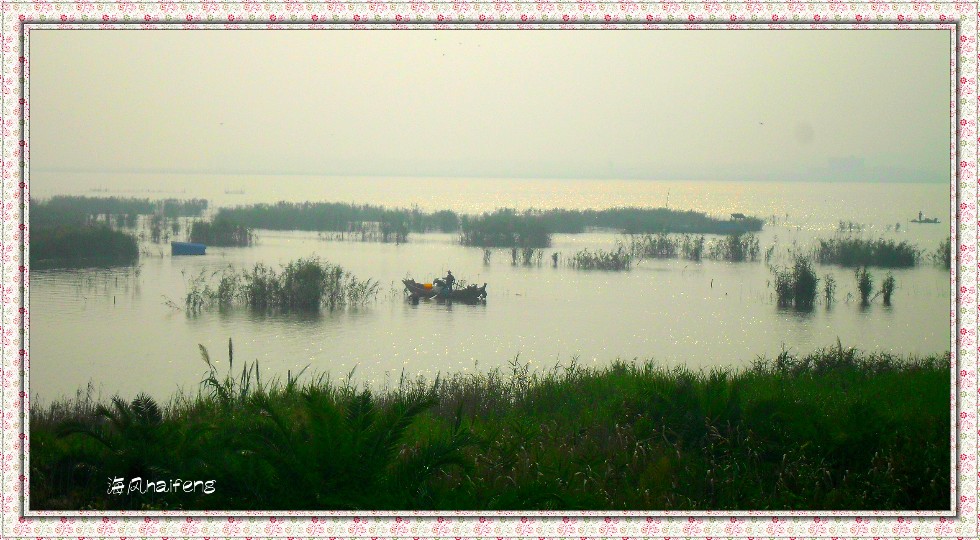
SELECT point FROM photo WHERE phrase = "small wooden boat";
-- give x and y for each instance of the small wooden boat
(187, 248)
(924, 219)
(437, 290)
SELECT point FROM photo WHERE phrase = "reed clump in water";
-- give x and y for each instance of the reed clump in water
(735, 248)
(384, 232)
(341, 217)
(76, 210)
(665, 246)
(851, 252)
(829, 289)
(303, 285)
(627, 436)
(621, 259)
(887, 289)
(328, 216)
(943, 255)
(531, 256)
(692, 247)
(505, 228)
(81, 245)
(796, 286)
(865, 284)
(654, 246)
(221, 232)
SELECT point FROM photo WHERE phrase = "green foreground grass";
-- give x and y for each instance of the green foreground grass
(837, 429)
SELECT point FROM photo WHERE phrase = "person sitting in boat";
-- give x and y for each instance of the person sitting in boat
(449, 282)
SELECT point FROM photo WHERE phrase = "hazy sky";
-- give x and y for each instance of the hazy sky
(763, 104)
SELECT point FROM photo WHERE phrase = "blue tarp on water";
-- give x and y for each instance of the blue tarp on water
(186, 248)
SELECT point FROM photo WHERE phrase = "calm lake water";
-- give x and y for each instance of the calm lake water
(114, 327)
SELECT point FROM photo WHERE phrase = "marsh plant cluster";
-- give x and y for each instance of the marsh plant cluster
(505, 227)
(221, 232)
(738, 247)
(854, 252)
(72, 231)
(796, 285)
(302, 285)
(620, 259)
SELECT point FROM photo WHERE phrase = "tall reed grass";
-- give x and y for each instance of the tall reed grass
(654, 246)
(621, 259)
(865, 284)
(221, 232)
(849, 251)
(829, 289)
(81, 245)
(505, 228)
(887, 289)
(302, 285)
(80, 210)
(735, 248)
(692, 247)
(943, 255)
(797, 286)
(340, 217)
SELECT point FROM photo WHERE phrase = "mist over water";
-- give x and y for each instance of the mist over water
(115, 328)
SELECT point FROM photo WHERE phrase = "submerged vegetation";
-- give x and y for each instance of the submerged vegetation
(625, 437)
(302, 285)
(852, 252)
(81, 245)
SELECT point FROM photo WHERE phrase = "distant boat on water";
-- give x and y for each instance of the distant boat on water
(924, 219)
(187, 248)
(234, 192)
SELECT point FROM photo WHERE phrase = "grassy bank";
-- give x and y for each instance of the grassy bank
(81, 245)
(836, 429)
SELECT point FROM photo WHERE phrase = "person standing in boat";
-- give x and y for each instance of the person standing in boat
(449, 282)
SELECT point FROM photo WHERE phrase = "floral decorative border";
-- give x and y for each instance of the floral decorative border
(18, 18)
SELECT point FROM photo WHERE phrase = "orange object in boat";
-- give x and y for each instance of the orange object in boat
(427, 285)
